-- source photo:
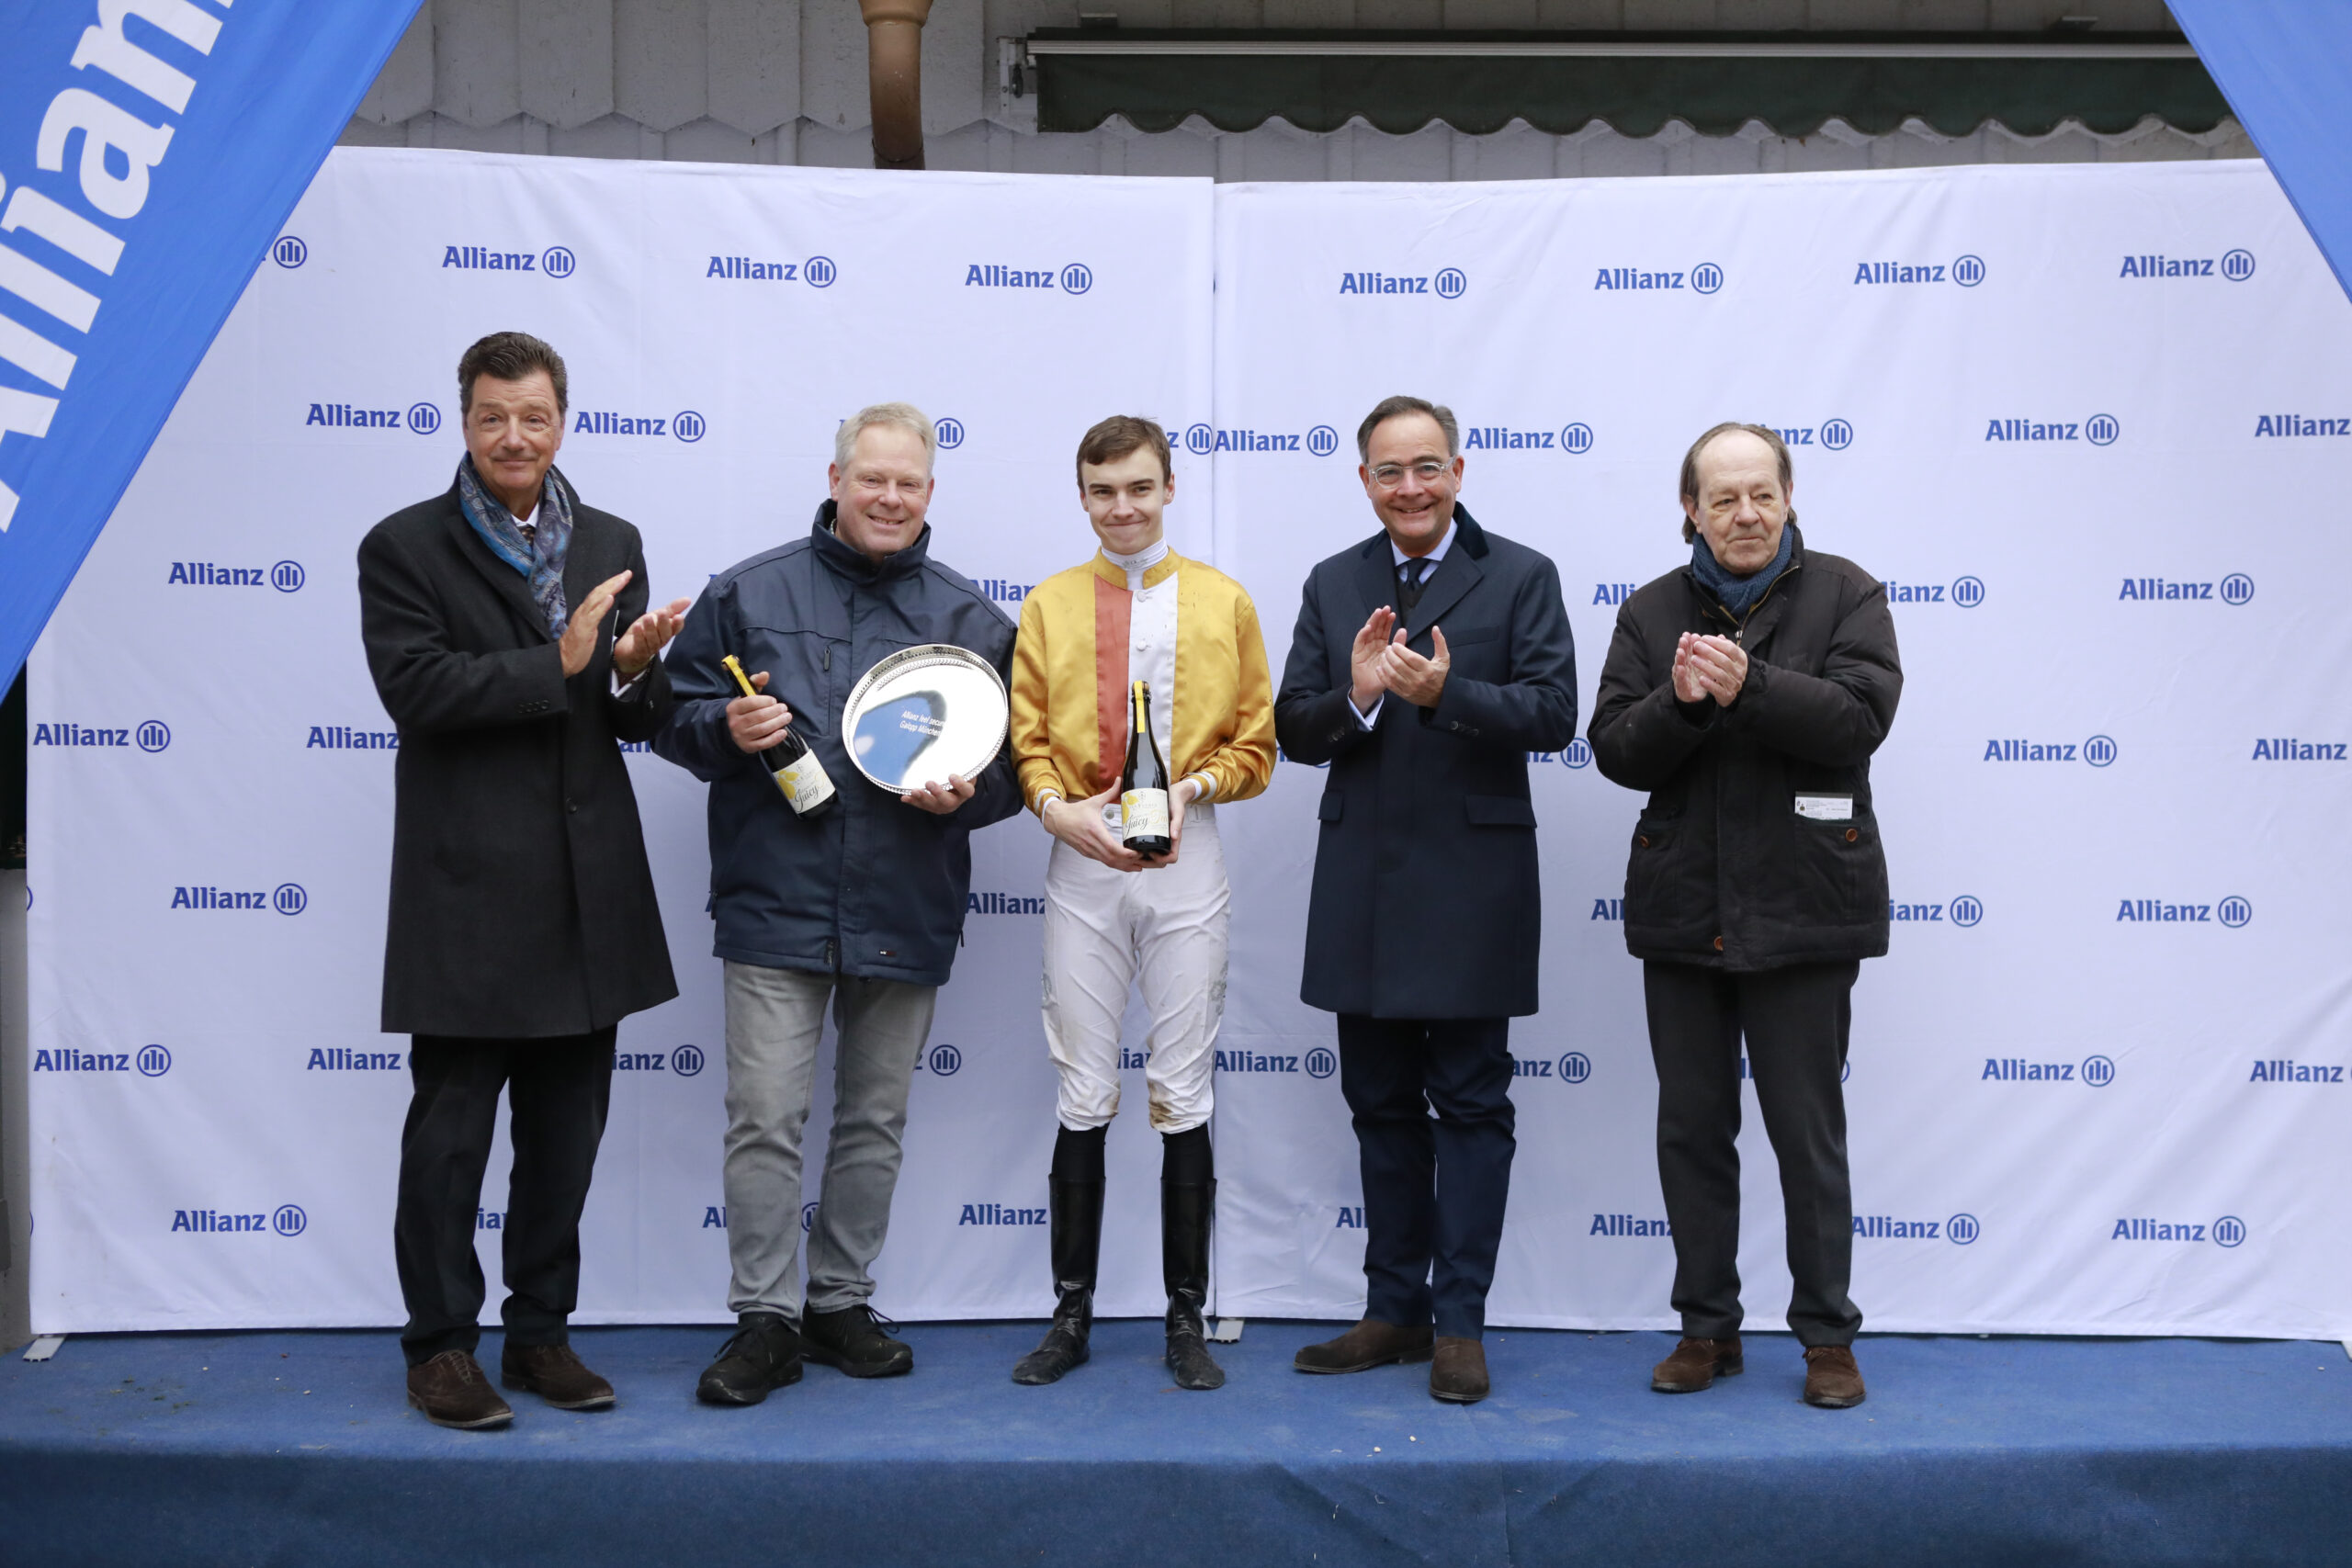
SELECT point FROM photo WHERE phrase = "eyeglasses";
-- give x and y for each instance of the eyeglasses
(1388, 476)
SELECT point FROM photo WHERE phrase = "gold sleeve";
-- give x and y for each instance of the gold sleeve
(1033, 752)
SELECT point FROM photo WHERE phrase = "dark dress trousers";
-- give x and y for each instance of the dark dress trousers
(1424, 923)
(1756, 882)
(523, 924)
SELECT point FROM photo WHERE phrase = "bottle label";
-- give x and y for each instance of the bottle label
(1144, 813)
(805, 783)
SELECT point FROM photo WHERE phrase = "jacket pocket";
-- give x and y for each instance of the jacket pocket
(1838, 864)
(1498, 811)
(1328, 809)
(1653, 892)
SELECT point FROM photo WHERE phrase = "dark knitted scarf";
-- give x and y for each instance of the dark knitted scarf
(541, 560)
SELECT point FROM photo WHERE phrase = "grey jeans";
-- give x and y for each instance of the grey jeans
(774, 1019)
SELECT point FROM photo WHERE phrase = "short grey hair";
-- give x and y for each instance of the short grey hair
(1392, 408)
(906, 416)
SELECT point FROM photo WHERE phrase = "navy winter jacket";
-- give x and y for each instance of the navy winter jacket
(874, 888)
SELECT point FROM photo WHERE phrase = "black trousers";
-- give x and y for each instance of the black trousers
(1796, 1022)
(558, 1090)
(1435, 1186)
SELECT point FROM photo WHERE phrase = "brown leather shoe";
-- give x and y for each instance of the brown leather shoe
(1370, 1343)
(452, 1392)
(1458, 1375)
(1696, 1364)
(556, 1375)
(1831, 1378)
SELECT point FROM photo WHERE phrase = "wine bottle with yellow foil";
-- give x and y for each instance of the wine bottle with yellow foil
(806, 787)
(1143, 782)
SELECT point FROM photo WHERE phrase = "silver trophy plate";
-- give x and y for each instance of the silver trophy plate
(924, 713)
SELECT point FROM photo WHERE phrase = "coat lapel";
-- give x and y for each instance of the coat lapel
(504, 580)
(1455, 575)
(1376, 579)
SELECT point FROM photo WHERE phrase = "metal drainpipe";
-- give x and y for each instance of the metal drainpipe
(894, 79)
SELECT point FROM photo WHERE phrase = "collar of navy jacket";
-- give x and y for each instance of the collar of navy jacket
(1443, 589)
(858, 566)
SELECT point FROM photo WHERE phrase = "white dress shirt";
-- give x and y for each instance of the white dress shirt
(1435, 556)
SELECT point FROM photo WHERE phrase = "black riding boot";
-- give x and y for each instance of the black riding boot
(1077, 1242)
(1184, 1212)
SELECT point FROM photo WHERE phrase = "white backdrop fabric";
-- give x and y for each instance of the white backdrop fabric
(2082, 419)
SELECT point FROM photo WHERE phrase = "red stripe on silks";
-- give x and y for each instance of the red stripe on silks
(1113, 610)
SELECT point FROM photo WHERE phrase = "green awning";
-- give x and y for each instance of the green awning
(1481, 81)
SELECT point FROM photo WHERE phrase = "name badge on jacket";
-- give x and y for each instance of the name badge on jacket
(1826, 807)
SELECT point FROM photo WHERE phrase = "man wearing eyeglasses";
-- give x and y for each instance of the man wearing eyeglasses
(1428, 661)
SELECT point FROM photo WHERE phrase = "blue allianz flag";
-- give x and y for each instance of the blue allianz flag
(2286, 67)
(148, 152)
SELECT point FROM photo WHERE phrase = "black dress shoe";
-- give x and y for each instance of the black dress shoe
(852, 1340)
(764, 1354)
(555, 1374)
(452, 1392)
(1187, 1209)
(1371, 1343)
(1458, 1374)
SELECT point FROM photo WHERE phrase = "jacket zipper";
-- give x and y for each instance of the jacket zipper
(1739, 627)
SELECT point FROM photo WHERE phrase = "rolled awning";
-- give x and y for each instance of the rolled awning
(1480, 82)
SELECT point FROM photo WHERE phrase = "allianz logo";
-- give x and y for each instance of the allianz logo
(1574, 439)
(2300, 425)
(2235, 589)
(1319, 1062)
(1967, 271)
(1961, 1230)
(1446, 283)
(1705, 279)
(490, 1218)
(288, 1219)
(998, 1214)
(1002, 589)
(1577, 754)
(817, 272)
(1628, 1224)
(287, 576)
(1608, 909)
(1133, 1059)
(2097, 1071)
(1834, 434)
(286, 898)
(1202, 440)
(2287, 748)
(1965, 591)
(945, 1060)
(1002, 904)
(2099, 750)
(1612, 593)
(337, 1059)
(1073, 278)
(149, 1061)
(555, 261)
(2227, 1231)
(686, 425)
(686, 1061)
(153, 736)
(2233, 912)
(1573, 1067)
(418, 419)
(713, 1216)
(2237, 265)
(2295, 1072)
(2099, 430)
(1964, 910)
(343, 737)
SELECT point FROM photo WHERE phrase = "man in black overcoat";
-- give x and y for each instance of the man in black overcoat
(1424, 924)
(523, 926)
(1745, 691)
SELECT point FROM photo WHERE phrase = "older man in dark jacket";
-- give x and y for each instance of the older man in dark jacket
(1429, 660)
(523, 926)
(1747, 693)
(861, 905)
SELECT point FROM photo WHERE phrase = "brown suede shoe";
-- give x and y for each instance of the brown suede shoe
(1831, 1378)
(1371, 1343)
(556, 1375)
(452, 1392)
(1458, 1375)
(1696, 1364)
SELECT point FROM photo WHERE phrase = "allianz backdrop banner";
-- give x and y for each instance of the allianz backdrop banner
(2075, 417)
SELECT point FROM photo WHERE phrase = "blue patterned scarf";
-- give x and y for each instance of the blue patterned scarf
(1740, 595)
(541, 560)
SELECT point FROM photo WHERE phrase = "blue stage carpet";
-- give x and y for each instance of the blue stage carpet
(289, 1447)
